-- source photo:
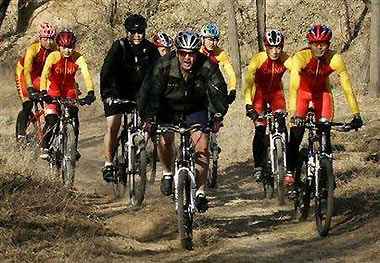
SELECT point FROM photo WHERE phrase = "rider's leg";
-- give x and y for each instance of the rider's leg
(22, 118)
(258, 149)
(165, 151)
(110, 137)
(324, 113)
(50, 121)
(74, 113)
(202, 159)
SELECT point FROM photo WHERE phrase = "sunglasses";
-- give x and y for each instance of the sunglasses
(183, 53)
(136, 31)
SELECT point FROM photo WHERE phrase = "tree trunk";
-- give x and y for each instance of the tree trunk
(375, 50)
(347, 18)
(261, 22)
(25, 13)
(112, 12)
(234, 39)
(3, 9)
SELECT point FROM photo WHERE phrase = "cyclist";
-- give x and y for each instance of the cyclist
(185, 84)
(309, 82)
(123, 70)
(210, 37)
(163, 42)
(263, 85)
(58, 80)
(28, 73)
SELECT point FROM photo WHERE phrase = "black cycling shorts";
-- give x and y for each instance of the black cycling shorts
(114, 109)
(199, 117)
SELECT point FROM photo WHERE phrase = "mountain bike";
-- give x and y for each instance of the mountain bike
(34, 131)
(184, 181)
(314, 174)
(275, 156)
(214, 150)
(62, 151)
(130, 156)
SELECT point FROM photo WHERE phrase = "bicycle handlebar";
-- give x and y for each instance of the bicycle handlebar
(177, 129)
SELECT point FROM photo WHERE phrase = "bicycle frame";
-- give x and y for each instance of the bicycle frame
(35, 119)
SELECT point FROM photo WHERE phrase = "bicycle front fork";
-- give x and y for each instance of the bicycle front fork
(193, 186)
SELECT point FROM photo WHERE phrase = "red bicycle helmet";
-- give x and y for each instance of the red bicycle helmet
(161, 39)
(46, 29)
(319, 33)
(66, 38)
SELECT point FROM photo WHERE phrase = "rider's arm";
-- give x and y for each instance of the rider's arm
(109, 67)
(149, 95)
(216, 89)
(228, 68)
(338, 65)
(297, 63)
(31, 52)
(53, 58)
(249, 78)
(85, 73)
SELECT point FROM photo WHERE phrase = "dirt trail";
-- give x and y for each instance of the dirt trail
(240, 225)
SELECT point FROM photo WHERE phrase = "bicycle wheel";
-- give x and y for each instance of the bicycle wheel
(280, 171)
(137, 182)
(68, 161)
(213, 168)
(185, 217)
(303, 196)
(119, 184)
(325, 201)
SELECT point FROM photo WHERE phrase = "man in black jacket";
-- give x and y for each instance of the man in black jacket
(184, 83)
(124, 68)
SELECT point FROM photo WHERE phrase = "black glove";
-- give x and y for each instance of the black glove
(356, 122)
(45, 97)
(299, 122)
(231, 96)
(251, 112)
(33, 94)
(90, 97)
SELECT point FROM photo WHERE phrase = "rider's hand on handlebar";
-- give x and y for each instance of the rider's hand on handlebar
(251, 112)
(148, 126)
(45, 97)
(217, 122)
(90, 97)
(356, 122)
(33, 95)
(231, 96)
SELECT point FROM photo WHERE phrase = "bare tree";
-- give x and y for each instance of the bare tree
(112, 12)
(3, 9)
(347, 18)
(261, 22)
(375, 50)
(234, 39)
(25, 10)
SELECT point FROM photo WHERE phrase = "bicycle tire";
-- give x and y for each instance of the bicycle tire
(303, 197)
(280, 180)
(185, 219)
(119, 184)
(68, 161)
(324, 203)
(137, 182)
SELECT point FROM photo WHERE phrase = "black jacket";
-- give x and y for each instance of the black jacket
(165, 89)
(124, 69)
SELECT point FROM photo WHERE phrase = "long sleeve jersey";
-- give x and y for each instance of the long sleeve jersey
(310, 73)
(34, 60)
(60, 71)
(218, 55)
(265, 73)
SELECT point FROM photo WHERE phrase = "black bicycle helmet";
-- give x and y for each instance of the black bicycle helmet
(188, 40)
(135, 22)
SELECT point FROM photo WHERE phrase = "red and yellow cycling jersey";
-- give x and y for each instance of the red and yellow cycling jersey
(60, 71)
(218, 55)
(264, 74)
(310, 74)
(29, 68)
